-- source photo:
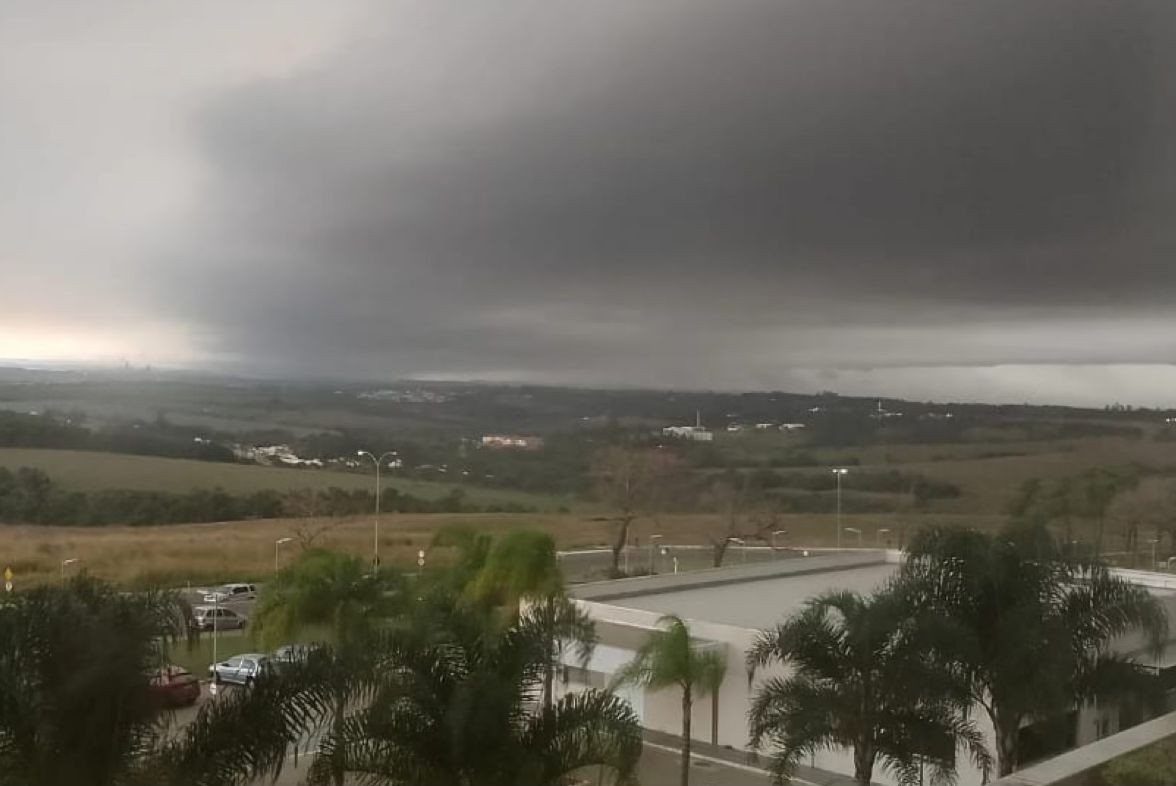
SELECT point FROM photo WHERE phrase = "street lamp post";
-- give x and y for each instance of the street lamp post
(378, 461)
(652, 554)
(277, 544)
(857, 532)
(1153, 542)
(838, 472)
(878, 536)
(72, 560)
(215, 626)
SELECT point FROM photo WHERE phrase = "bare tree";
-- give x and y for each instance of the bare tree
(1148, 510)
(310, 522)
(631, 482)
(743, 514)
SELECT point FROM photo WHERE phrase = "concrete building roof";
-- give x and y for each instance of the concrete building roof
(754, 596)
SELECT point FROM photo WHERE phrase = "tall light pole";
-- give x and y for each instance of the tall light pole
(278, 543)
(72, 560)
(1153, 542)
(652, 554)
(838, 472)
(878, 536)
(378, 461)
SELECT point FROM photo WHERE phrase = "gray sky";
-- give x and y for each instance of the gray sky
(966, 200)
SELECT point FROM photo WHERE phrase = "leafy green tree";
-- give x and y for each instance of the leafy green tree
(860, 681)
(1024, 630)
(470, 548)
(76, 707)
(456, 703)
(521, 574)
(75, 702)
(561, 626)
(336, 591)
(519, 566)
(669, 659)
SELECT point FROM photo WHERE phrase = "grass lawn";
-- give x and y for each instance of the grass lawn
(198, 657)
(88, 471)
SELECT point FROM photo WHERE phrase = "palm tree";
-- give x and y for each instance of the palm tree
(1026, 631)
(521, 575)
(244, 737)
(561, 625)
(670, 659)
(75, 702)
(325, 589)
(859, 681)
(470, 549)
(336, 591)
(457, 704)
(76, 707)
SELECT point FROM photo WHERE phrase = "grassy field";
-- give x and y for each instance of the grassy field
(200, 554)
(86, 471)
(988, 475)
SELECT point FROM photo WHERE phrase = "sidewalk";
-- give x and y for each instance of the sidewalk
(741, 761)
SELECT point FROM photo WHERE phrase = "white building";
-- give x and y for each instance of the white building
(516, 441)
(696, 433)
(726, 608)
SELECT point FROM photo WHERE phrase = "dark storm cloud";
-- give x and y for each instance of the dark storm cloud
(696, 193)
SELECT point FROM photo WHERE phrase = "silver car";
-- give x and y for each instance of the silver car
(240, 669)
(231, 592)
(217, 618)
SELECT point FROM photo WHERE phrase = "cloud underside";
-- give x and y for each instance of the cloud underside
(692, 193)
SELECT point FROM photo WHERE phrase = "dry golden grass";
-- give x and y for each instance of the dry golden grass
(209, 553)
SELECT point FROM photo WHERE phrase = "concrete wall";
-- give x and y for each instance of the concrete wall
(662, 710)
(627, 628)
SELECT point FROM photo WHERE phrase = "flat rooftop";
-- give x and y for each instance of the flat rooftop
(754, 596)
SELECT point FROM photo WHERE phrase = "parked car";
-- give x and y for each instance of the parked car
(240, 669)
(174, 686)
(232, 592)
(292, 653)
(218, 617)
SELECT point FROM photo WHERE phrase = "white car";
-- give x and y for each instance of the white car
(231, 592)
(217, 618)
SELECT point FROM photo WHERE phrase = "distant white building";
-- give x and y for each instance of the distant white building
(697, 432)
(688, 432)
(511, 441)
(791, 426)
(763, 426)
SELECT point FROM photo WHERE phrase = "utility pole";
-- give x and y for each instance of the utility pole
(838, 472)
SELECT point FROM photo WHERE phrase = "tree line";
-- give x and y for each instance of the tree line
(140, 438)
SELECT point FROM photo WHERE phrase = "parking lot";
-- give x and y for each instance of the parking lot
(659, 764)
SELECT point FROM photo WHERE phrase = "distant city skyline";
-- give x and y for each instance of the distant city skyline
(964, 202)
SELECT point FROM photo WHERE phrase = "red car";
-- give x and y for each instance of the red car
(175, 686)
